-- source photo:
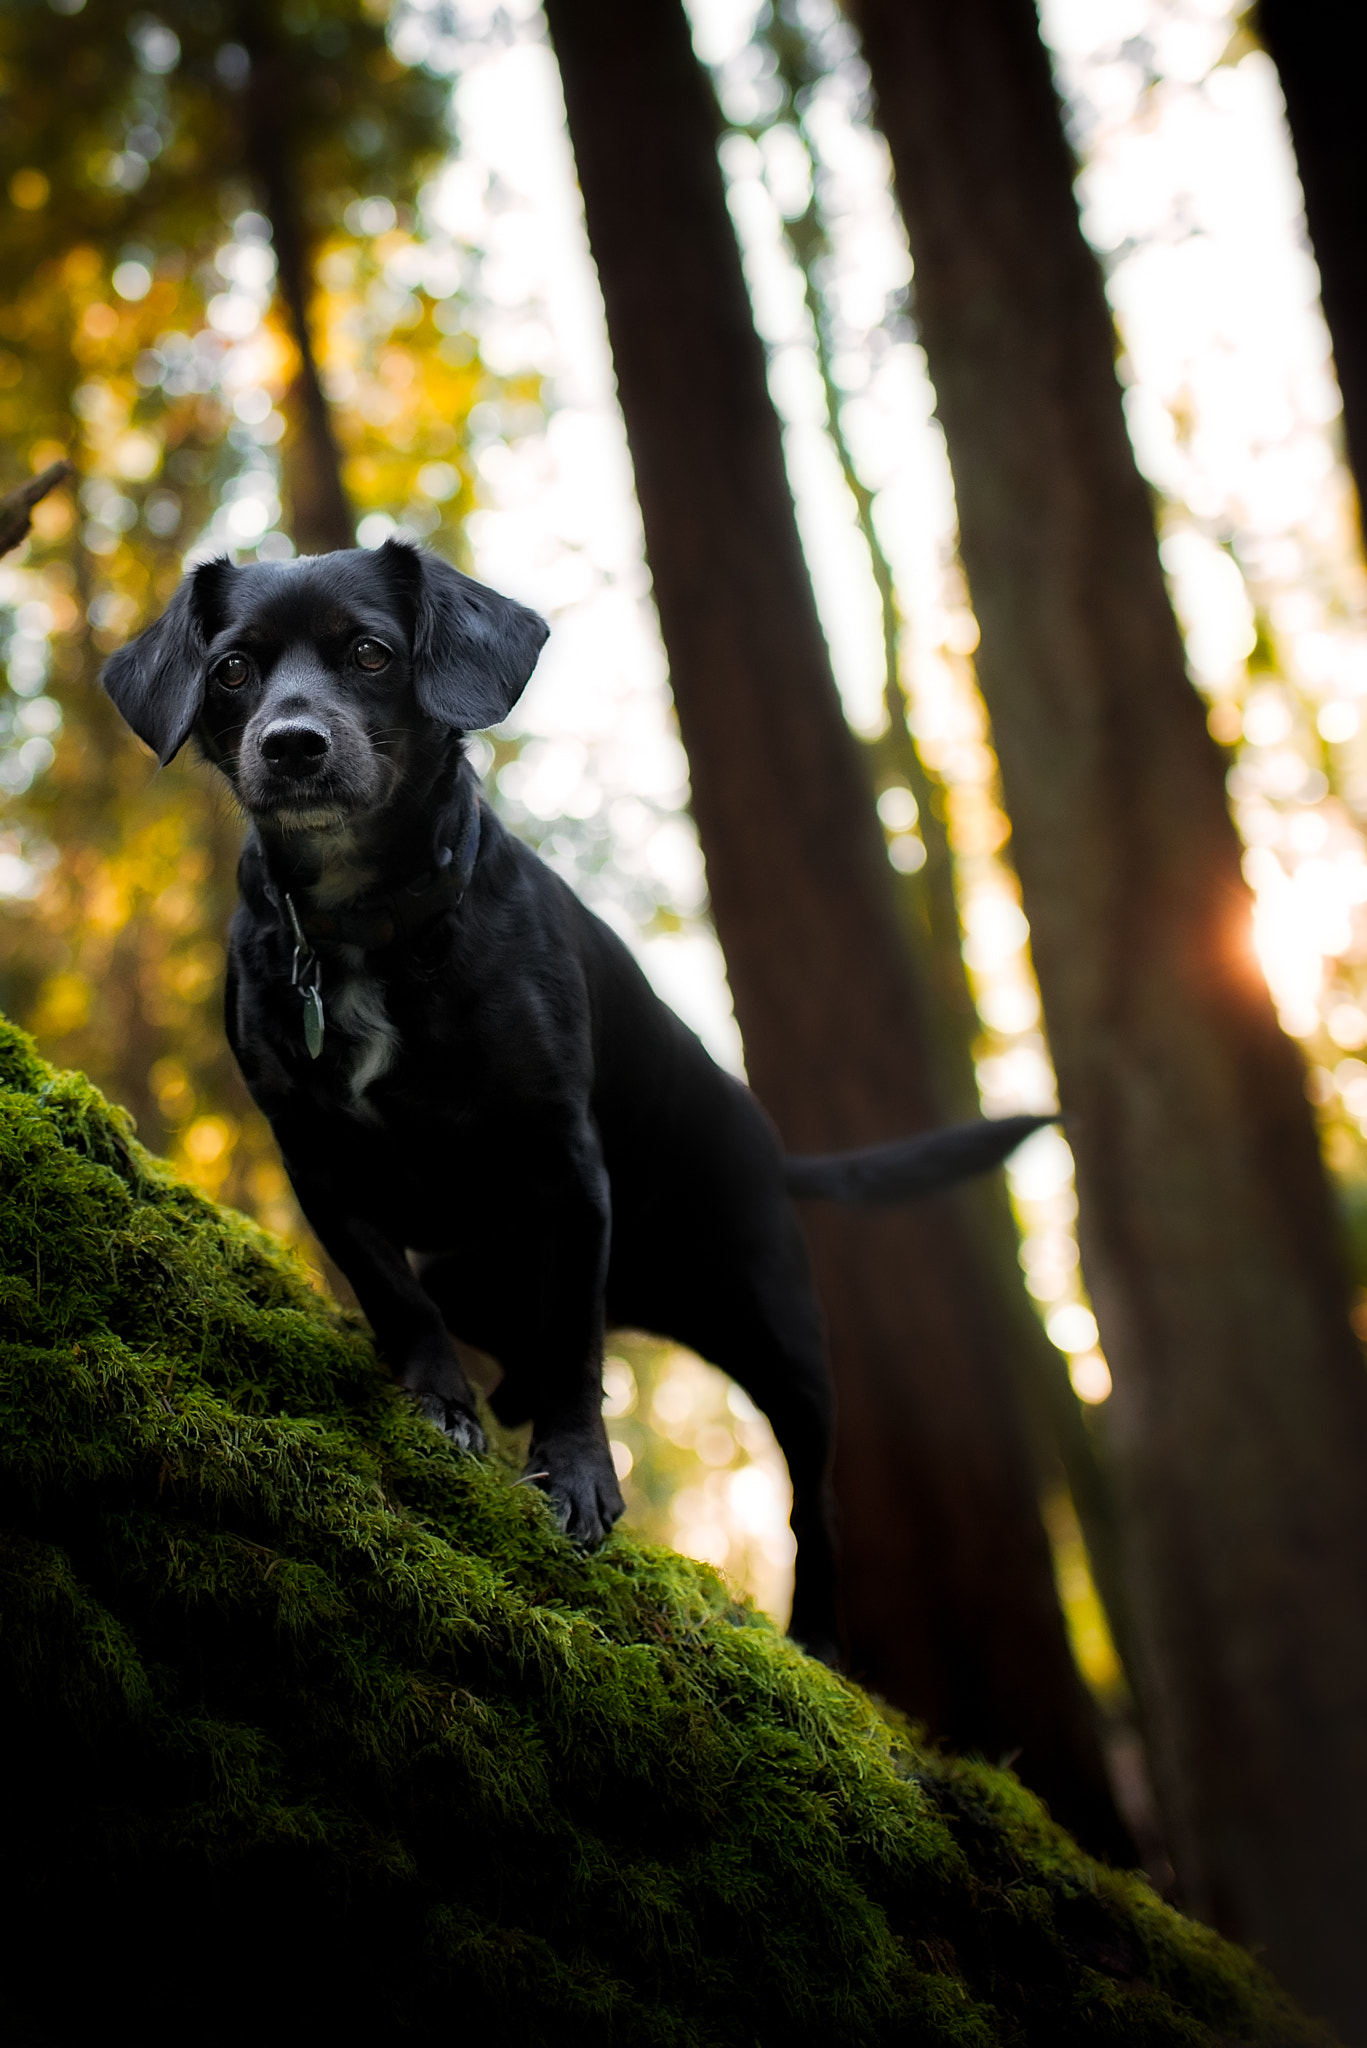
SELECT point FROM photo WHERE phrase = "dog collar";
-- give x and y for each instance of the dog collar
(373, 924)
(380, 921)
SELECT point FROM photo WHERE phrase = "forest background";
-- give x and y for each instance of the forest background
(275, 278)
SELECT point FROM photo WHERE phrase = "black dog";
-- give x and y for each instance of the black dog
(491, 1121)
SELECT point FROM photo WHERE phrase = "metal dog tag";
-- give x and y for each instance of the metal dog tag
(313, 1020)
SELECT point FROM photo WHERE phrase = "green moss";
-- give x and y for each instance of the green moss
(313, 1723)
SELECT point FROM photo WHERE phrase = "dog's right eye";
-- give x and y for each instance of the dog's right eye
(233, 671)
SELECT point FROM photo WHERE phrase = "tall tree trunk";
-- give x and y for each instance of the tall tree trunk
(1239, 1418)
(320, 514)
(1064, 1446)
(946, 1586)
(1320, 49)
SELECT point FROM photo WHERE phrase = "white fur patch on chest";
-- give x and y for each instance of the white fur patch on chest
(354, 1000)
(356, 1006)
(343, 873)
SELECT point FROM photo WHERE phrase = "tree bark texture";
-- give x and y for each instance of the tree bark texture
(321, 517)
(1320, 49)
(1239, 1418)
(1063, 1444)
(948, 1600)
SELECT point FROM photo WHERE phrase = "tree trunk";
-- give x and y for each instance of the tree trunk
(1239, 1419)
(320, 514)
(1063, 1445)
(947, 1593)
(1320, 49)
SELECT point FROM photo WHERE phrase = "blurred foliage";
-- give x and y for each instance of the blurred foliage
(132, 119)
(141, 333)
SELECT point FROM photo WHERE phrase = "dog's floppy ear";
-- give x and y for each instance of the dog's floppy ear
(157, 681)
(473, 650)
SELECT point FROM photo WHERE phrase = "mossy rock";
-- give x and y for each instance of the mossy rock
(313, 1724)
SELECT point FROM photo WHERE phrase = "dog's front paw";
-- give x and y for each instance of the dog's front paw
(580, 1482)
(457, 1423)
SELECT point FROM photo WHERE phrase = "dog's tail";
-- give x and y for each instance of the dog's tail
(909, 1169)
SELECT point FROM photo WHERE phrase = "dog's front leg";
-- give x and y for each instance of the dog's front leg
(559, 1380)
(406, 1321)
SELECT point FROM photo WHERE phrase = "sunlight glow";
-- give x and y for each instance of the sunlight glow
(1190, 196)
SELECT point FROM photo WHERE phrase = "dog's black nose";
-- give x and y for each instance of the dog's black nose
(295, 743)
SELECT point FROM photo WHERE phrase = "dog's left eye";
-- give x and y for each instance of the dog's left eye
(232, 672)
(371, 654)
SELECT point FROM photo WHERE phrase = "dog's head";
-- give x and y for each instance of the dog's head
(316, 685)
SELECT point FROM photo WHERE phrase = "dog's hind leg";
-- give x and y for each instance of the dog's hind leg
(779, 1360)
(745, 1303)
